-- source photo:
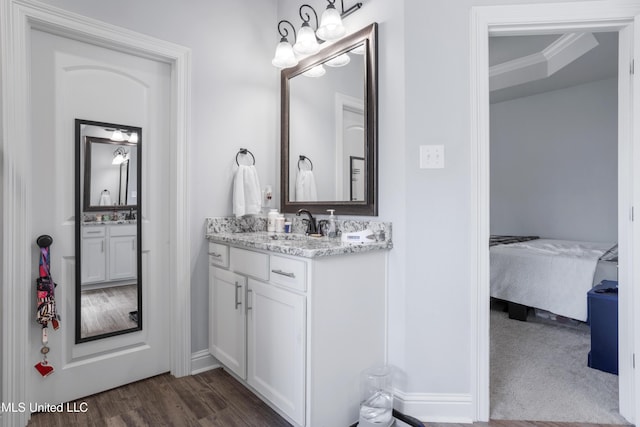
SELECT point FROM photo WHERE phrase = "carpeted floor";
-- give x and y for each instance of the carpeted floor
(539, 372)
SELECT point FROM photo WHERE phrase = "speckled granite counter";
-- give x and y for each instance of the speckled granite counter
(116, 222)
(249, 233)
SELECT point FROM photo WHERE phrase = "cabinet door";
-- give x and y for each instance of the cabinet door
(227, 319)
(122, 257)
(94, 260)
(276, 347)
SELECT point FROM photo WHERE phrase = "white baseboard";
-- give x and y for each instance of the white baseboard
(202, 361)
(435, 407)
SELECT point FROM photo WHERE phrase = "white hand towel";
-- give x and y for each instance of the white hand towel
(247, 197)
(306, 186)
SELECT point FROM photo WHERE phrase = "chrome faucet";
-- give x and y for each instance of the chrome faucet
(311, 227)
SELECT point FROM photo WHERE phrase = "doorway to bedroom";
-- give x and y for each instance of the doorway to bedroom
(535, 19)
(553, 217)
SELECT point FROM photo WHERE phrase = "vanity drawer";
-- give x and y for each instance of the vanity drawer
(122, 230)
(219, 254)
(91, 231)
(289, 272)
(251, 263)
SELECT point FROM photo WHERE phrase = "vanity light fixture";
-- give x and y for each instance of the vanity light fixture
(307, 40)
(133, 137)
(284, 57)
(120, 155)
(307, 43)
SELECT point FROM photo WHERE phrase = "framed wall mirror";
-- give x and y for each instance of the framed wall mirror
(108, 230)
(329, 129)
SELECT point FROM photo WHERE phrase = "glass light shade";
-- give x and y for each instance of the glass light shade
(359, 50)
(306, 43)
(339, 61)
(331, 27)
(117, 135)
(133, 137)
(284, 57)
(316, 71)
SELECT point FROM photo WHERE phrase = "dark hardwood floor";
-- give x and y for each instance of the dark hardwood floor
(209, 399)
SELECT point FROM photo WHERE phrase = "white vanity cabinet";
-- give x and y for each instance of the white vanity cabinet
(122, 252)
(299, 331)
(109, 253)
(94, 255)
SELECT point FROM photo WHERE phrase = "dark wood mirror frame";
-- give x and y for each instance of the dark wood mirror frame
(368, 36)
(79, 205)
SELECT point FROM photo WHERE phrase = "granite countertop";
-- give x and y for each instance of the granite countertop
(295, 244)
(110, 222)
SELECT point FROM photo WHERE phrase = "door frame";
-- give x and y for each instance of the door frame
(528, 19)
(17, 19)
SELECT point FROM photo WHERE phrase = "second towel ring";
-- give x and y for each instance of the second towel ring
(302, 159)
(245, 151)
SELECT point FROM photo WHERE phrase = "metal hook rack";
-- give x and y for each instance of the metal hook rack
(302, 159)
(245, 152)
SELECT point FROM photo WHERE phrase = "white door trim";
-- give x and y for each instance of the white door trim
(17, 19)
(610, 15)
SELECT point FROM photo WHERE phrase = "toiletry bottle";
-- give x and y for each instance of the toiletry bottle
(280, 224)
(271, 220)
(332, 231)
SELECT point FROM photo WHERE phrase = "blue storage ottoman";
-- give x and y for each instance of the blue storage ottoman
(602, 303)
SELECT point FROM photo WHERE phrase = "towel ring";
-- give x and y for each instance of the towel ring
(245, 151)
(302, 159)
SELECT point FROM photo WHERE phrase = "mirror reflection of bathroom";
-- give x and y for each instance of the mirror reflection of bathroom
(108, 288)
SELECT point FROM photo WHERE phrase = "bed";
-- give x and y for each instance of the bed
(549, 274)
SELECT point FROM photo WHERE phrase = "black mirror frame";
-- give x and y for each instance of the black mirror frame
(86, 203)
(79, 196)
(368, 36)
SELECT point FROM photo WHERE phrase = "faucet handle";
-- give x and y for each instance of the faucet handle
(323, 227)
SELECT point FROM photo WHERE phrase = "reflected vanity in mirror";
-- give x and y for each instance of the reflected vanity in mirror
(329, 129)
(108, 230)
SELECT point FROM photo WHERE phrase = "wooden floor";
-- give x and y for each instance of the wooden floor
(210, 399)
(107, 310)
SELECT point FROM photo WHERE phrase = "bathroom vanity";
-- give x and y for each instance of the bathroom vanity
(297, 319)
(109, 251)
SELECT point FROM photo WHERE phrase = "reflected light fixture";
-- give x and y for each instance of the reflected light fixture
(117, 135)
(133, 137)
(339, 61)
(120, 155)
(316, 71)
(307, 41)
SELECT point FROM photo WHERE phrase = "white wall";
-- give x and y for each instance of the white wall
(235, 104)
(437, 212)
(554, 164)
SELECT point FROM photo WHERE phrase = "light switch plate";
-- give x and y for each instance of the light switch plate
(431, 156)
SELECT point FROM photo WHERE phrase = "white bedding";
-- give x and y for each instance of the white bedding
(553, 275)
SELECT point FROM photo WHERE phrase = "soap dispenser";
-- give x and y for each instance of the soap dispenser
(332, 230)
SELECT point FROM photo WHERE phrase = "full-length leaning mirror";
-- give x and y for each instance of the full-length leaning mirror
(108, 230)
(329, 129)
